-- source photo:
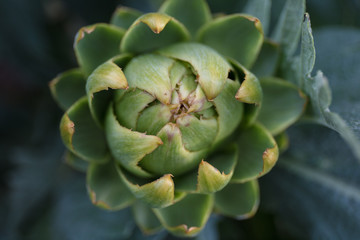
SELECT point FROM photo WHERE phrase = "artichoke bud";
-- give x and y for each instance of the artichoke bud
(166, 99)
(169, 117)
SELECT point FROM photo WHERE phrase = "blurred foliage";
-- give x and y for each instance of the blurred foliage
(40, 198)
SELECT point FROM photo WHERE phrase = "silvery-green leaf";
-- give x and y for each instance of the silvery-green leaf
(75, 217)
(32, 179)
(288, 29)
(287, 33)
(320, 94)
(261, 10)
(317, 186)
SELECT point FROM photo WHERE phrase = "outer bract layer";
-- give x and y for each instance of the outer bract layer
(167, 116)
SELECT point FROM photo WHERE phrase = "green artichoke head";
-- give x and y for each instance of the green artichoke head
(164, 114)
(181, 94)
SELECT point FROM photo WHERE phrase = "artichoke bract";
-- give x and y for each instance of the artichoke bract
(165, 114)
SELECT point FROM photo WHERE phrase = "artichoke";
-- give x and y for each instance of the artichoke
(164, 114)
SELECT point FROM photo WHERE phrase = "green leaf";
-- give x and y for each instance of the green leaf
(212, 175)
(68, 87)
(188, 216)
(288, 29)
(129, 106)
(260, 9)
(187, 86)
(81, 135)
(216, 173)
(158, 193)
(151, 31)
(107, 76)
(202, 58)
(128, 147)
(153, 119)
(320, 94)
(197, 134)
(249, 92)
(230, 111)
(105, 187)
(171, 157)
(150, 73)
(238, 200)
(96, 44)
(211, 179)
(180, 73)
(250, 89)
(197, 100)
(267, 63)
(236, 36)
(145, 218)
(282, 140)
(318, 163)
(192, 13)
(282, 106)
(123, 17)
(75, 162)
(258, 153)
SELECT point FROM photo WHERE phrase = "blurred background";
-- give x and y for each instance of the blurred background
(41, 198)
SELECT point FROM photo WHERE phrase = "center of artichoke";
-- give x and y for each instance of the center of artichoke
(179, 111)
(179, 101)
(181, 107)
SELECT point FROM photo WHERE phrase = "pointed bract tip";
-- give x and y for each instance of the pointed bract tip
(156, 21)
(81, 34)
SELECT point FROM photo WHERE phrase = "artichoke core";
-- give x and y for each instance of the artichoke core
(170, 103)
